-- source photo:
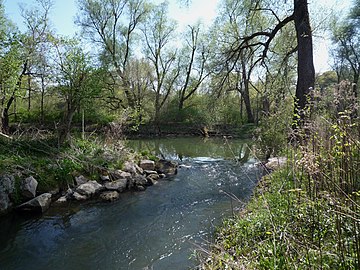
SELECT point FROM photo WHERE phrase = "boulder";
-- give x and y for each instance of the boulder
(7, 184)
(148, 165)
(28, 187)
(119, 174)
(132, 168)
(147, 172)
(105, 178)
(166, 167)
(7, 187)
(109, 196)
(79, 197)
(79, 180)
(152, 179)
(118, 185)
(89, 189)
(5, 203)
(38, 204)
(61, 200)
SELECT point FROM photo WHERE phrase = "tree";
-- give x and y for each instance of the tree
(78, 83)
(158, 33)
(112, 25)
(36, 20)
(346, 37)
(12, 68)
(261, 40)
(194, 58)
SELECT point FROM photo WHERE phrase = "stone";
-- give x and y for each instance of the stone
(109, 196)
(275, 163)
(38, 204)
(148, 165)
(79, 197)
(140, 180)
(140, 188)
(132, 168)
(147, 172)
(28, 187)
(118, 185)
(119, 174)
(166, 167)
(89, 189)
(129, 167)
(61, 200)
(105, 178)
(7, 187)
(79, 180)
(5, 203)
(7, 184)
(152, 179)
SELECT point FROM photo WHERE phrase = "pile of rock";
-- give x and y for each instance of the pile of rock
(135, 177)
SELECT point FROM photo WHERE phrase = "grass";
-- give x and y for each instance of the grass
(307, 214)
(55, 167)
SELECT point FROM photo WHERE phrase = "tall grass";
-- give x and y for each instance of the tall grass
(306, 215)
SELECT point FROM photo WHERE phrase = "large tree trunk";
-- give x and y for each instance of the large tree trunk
(305, 69)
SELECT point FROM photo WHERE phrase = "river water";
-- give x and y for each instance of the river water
(156, 229)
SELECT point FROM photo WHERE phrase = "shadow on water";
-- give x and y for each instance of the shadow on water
(155, 229)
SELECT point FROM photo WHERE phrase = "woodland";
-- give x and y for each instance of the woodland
(253, 67)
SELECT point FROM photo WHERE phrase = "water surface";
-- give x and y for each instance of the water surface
(155, 229)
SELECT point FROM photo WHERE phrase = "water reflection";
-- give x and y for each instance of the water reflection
(184, 148)
(157, 229)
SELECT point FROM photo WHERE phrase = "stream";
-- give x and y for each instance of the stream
(156, 229)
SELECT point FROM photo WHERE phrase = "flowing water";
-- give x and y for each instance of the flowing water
(155, 229)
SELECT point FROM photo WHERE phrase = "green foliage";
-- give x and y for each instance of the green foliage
(305, 215)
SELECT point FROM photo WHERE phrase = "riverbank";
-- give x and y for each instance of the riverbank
(36, 173)
(298, 218)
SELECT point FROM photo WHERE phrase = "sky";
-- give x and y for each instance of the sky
(64, 12)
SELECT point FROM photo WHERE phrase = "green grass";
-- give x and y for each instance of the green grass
(283, 228)
(56, 167)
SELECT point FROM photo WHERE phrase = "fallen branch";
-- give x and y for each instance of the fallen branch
(6, 136)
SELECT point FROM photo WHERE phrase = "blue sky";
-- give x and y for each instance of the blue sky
(63, 14)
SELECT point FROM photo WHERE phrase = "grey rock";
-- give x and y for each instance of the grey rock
(118, 185)
(147, 172)
(7, 184)
(132, 168)
(109, 196)
(105, 178)
(140, 188)
(119, 174)
(129, 167)
(28, 187)
(148, 165)
(79, 180)
(275, 163)
(61, 200)
(89, 189)
(166, 167)
(5, 203)
(152, 179)
(39, 204)
(7, 187)
(79, 197)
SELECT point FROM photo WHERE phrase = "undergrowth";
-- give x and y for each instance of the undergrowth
(307, 214)
(55, 167)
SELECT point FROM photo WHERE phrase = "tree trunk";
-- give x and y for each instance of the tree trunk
(42, 99)
(5, 128)
(305, 68)
(65, 128)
